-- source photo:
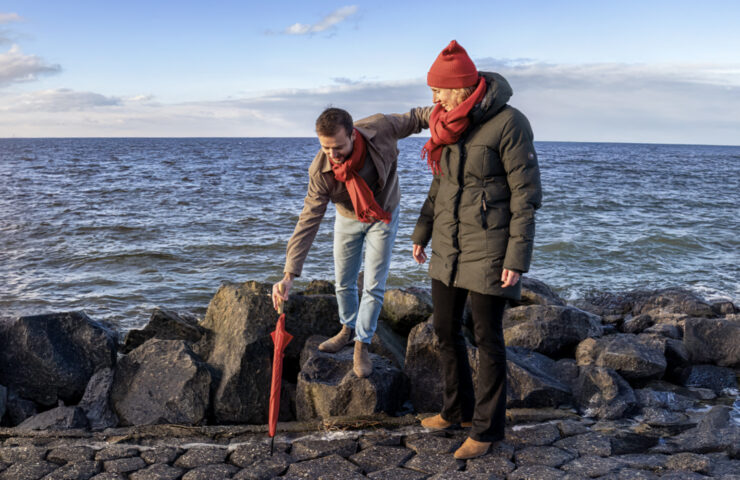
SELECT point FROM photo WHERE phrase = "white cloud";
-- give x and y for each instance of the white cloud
(9, 18)
(334, 18)
(57, 100)
(17, 67)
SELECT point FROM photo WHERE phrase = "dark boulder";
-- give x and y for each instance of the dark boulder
(162, 381)
(718, 379)
(532, 380)
(51, 357)
(3, 400)
(724, 307)
(600, 392)
(96, 400)
(238, 346)
(18, 409)
(549, 329)
(625, 354)
(636, 302)
(327, 386)
(713, 340)
(164, 324)
(716, 432)
(535, 292)
(317, 287)
(423, 368)
(403, 309)
(59, 418)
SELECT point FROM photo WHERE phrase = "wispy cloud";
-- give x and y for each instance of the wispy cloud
(17, 67)
(58, 100)
(334, 18)
(9, 17)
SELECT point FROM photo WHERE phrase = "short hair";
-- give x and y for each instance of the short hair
(331, 120)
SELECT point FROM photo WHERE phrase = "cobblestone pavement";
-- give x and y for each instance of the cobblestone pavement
(536, 447)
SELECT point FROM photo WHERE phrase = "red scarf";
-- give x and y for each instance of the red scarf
(363, 200)
(448, 127)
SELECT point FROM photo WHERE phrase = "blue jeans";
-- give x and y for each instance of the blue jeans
(349, 237)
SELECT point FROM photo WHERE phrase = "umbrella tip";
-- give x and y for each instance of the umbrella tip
(272, 445)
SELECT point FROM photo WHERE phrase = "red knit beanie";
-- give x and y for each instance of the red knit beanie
(453, 68)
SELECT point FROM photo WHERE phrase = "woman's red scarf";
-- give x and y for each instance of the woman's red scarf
(363, 200)
(448, 127)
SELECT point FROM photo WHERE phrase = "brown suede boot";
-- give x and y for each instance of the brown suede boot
(471, 449)
(363, 366)
(438, 423)
(338, 341)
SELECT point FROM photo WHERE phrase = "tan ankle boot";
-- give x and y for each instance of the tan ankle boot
(363, 366)
(438, 423)
(471, 449)
(338, 341)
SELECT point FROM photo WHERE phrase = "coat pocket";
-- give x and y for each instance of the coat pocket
(483, 211)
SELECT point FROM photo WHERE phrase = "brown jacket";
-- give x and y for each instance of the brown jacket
(381, 133)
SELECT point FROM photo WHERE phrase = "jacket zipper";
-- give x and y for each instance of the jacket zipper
(484, 208)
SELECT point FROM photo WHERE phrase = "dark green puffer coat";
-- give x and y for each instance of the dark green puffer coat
(480, 211)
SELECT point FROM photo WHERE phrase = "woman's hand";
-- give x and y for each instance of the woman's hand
(419, 255)
(509, 278)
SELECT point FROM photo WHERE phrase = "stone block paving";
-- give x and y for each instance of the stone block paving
(548, 450)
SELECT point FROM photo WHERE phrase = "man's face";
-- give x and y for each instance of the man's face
(338, 146)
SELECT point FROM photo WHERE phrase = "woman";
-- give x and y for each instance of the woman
(479, 215)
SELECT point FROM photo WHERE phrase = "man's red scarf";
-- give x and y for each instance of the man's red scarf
(363, 200)
(448, 127)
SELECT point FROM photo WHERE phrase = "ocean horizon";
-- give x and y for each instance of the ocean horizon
(118, 226)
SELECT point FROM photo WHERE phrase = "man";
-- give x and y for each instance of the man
(356, 170)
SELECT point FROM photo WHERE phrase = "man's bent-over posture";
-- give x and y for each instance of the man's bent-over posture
(356, 170)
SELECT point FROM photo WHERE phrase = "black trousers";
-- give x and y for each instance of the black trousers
(484, 404)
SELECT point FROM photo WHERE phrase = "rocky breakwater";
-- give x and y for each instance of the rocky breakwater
(633, 385)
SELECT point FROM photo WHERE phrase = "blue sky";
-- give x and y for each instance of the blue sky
(629, 71)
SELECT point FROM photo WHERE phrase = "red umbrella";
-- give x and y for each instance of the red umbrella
(281, 339)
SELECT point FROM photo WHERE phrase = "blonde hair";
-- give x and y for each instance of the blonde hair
(461, 94)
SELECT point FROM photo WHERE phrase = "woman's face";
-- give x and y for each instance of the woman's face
(449, 98)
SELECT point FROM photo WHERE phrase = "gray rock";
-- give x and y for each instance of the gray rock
(652, 397)
(423, 368)
(200, 456)
(724, 307)
(310, 449)
(96, 400)
(397, 473)
(549, 456)
(378, 438)
(431, 443)
(586, 444)
(718, 379)
(636, 302)
(60, 418)
(109, 476)
(266, 468)
(75, 471)
(164, 324)
(592, 466)
(327, 386)
(533, 435)
(22, 454)
(626, 441)
(689, 461)
(211, 472)
(713, 340)
(247, 453)
(665, 330)
(602, 393)
(403, 309)
(48, 358)
(113, 452)
(714, 433)
(237, 344)
(491, 465)
(535, 292)
(18, 409)
(535, 472)
(157, 471)
(660, 417)
(124, 465)
(380, 457)
(637, 324)
(388, 344)
(321, 466)
(532, 380)
(161, 454)
(432, 463)
(568, 428)
(623, 353)
(642, 461)
(549, 329)
(3, 400)
(71, 454)
(681, 475)
(28, 470)
(162, 381)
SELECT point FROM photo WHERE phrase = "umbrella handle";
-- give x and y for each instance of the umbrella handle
(280, 288)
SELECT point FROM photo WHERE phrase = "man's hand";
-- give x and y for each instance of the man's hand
(509, 278)
(286, 283)
(419, 255)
